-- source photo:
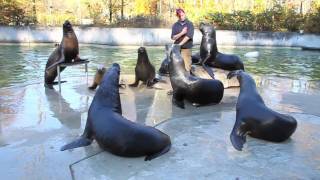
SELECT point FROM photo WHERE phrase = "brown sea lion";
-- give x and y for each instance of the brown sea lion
(66, 51)
(98, 77)
(144, 70)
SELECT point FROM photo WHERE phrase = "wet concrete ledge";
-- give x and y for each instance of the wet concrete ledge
(154, 36)
(35, 122)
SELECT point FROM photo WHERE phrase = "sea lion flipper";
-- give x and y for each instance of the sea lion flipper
(155, 155)
(238, 135)
(237, 141)
(82, 141)
(209, 71)
(135, 84)
(177, 99)
(55, 64)
(93, 86)
(206, 68)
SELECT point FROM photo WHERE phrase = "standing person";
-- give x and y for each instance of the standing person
(182, 34)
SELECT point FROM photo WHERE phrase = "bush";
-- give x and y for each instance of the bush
(294, 21)
(12, 14)
(263, 22)
(312, 24)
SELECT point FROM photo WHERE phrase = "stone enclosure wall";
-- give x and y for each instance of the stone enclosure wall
(153, 36)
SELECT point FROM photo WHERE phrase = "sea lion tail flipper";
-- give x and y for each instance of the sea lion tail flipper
(155, 155)
(82, 141)
(238, 136)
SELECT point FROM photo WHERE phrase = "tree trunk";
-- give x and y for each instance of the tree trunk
(110, 11)
(122, 6)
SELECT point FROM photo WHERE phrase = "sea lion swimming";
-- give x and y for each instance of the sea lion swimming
(254, 118)
(112, 131)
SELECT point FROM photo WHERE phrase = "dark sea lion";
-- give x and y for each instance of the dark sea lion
(209, 54)
(66, 51)
(112, 131)
(144, 70)
(186, 86)
(255, 118)
(164, 68)
(98, 77)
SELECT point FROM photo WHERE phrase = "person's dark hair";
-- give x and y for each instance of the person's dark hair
(179, 11)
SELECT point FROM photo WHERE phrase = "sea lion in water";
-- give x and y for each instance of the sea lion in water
(112, 131)
(66, 51)
(144, 70)
(255, 118)
(189, 87)
(209, 54)
(98, 77)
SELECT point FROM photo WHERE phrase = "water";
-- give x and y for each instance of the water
(24, 64)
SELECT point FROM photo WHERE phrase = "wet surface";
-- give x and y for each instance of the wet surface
(36, 122)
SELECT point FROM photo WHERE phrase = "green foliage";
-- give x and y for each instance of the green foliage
(263, 21)
(312, 24)
(11, 13)
(294, 21)
(243, 15)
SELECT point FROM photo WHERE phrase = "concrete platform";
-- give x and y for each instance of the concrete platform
(36, 122)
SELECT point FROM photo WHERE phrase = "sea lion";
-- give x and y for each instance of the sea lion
(209, 54)
(164, 69)
(255, 118)
(66, 51)
(186, 86)
(144, 70)
(98, 77)
(112, 131)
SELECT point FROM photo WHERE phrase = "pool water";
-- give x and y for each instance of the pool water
(24, 64)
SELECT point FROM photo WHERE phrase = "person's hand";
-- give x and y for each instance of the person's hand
(175, 37)
(184, 30)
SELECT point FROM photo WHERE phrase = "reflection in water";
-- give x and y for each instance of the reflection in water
(160, 109)
(62, 111)
(143, 100)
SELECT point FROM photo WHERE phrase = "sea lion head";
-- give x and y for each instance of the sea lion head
(207, 29)
(236, 73)
(142, 50)
(67, 27)
(101, 70)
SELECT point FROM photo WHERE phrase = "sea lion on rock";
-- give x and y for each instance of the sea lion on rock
(255, 118)
(112, 131)
(209, 54)
(66, 51)
(98, 77)
(186, 86)
(144, 70)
